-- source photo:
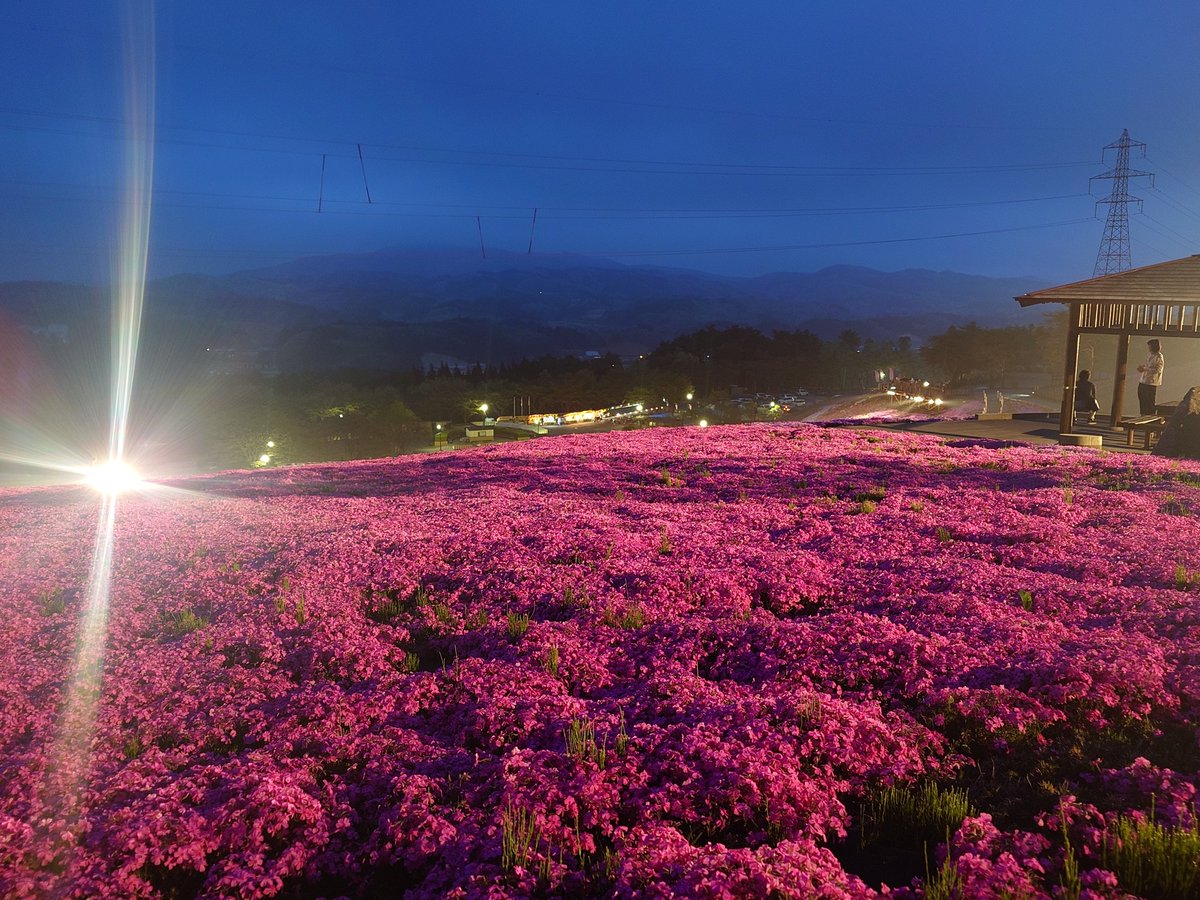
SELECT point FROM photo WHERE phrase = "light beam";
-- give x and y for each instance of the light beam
(63, 803)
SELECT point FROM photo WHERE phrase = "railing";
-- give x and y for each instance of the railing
(1180, 318)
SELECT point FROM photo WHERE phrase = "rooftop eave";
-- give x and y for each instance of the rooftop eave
(1033, 300)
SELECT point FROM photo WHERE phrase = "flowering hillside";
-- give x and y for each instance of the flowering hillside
(749, 661)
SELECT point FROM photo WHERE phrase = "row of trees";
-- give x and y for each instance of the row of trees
(237, 419)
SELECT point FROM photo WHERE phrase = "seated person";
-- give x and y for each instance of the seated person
(1085, 396)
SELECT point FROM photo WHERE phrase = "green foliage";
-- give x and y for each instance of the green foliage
(1185, 579)
(925, 814)
(52, 601)
(668, 479)
(301, 616)
(943, 535)
(634, 618)
(1070, 881)
(412, 662)
(551, 662)
(1026, 600)
(874, 494)
(394, 604)
(576, 599)
(963, 353)
(517, 624)
(1153, 860)
(811, 711)
(132, 747)
(519, 835)
(178, 624)
(581, 742)
(864, 507)
(946, 883)
(1174, 507)
(664, 542)
(622, 737)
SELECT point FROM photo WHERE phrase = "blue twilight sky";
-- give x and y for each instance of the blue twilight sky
(740, 137)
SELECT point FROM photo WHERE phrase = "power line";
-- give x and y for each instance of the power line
(1174, 204)
(470, 210)
(1163, 169)
(602, 164)
(1179, 238)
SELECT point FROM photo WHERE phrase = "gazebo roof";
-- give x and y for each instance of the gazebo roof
(1176, 281)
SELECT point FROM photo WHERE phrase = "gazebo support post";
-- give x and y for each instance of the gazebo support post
(1118, 397)
(1066, 419)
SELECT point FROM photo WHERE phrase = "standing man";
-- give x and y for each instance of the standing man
(1151, 377)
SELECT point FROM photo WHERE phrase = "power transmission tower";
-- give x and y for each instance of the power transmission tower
(1114, 246)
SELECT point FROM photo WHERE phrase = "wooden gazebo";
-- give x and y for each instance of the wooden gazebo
(1159, 301)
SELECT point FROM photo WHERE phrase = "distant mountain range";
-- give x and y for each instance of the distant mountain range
(393, 308)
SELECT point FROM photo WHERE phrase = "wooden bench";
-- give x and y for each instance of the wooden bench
(1151, 425)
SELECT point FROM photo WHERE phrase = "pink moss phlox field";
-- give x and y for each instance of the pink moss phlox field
(666, 663)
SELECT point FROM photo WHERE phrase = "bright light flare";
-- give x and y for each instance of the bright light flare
(112, 477)
(70, 756)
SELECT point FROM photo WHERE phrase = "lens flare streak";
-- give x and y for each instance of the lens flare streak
(63, 806)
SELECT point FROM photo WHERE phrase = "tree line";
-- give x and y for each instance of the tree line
(359, 414)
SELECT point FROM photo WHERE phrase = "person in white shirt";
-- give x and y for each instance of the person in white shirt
(1150, 378)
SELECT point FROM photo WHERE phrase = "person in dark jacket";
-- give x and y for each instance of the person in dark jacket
(1085, 396)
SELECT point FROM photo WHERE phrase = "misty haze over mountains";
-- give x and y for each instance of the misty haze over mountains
(393, 308)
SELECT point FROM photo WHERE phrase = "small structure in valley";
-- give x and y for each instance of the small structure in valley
(1159, 301)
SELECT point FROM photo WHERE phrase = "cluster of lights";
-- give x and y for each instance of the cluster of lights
(915, 398)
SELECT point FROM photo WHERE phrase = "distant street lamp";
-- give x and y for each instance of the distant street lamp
(689, 396)
(483, 408)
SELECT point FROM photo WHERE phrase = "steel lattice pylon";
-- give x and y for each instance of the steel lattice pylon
(1114, 246)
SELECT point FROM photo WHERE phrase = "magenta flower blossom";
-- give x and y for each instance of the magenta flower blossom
(666, 663)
